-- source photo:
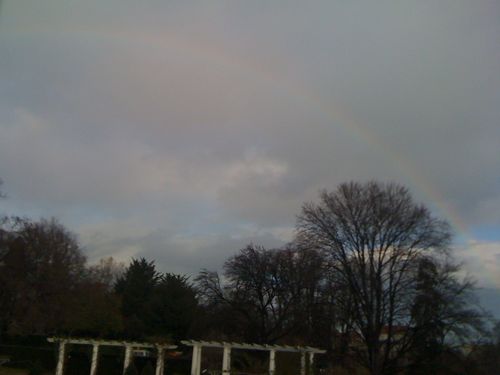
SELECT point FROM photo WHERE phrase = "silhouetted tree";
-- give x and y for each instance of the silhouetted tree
(106, 272)
(373, 235)
(268, 294)
(136, 288)
(173, 306)
(444, 313)
(40, 271)
(97, 311)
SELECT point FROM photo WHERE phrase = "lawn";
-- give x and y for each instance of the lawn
(12, 371)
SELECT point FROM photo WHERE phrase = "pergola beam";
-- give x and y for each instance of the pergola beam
(129, 348)
(306, 353)
(109, 343)
(245, 346)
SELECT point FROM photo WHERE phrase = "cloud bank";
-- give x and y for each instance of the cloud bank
(181, 132)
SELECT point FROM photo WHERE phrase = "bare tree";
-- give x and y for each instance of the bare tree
(271, 294)
(106, 272)
(445, 313)
(373, 234)
(39, 272)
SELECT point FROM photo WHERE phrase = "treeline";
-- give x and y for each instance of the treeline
(369, 276)
(48, 288)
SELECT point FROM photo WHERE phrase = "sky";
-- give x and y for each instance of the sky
(181, 131)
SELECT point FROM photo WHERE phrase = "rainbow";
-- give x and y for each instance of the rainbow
(217, 56)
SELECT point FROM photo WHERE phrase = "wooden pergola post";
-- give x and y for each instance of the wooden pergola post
(226, 360)
(96, 344)
(95, 359)
(196, 360)
(159, 361)
(128, 357)
(311, 363)
(228, 346)
(61, 358)
(272, 362)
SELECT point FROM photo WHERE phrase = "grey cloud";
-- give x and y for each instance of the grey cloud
(174, 252)
(195, 121)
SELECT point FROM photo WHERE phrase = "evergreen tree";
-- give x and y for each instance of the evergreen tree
(174, 305)
(136, 287)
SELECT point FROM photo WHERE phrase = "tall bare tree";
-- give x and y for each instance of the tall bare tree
(373, 235)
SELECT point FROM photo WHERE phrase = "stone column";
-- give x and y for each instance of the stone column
(302, 363)
(95, 358)
(272, 362)
(61, 357)
(226, 361)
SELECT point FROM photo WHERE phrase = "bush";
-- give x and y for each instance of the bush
(131, 370)
(36, 368)
(148, 369)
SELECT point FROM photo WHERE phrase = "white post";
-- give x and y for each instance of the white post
(60, 358)
(272, 362)
(302, 363)
(95, 358)
(226, 361)
(196, 360)
(311, 363)
(128, 357)
(159, 361)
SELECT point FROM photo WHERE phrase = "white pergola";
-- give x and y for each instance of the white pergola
(306, 354)
(129, 346)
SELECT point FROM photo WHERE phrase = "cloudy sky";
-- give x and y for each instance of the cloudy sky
(181, 131)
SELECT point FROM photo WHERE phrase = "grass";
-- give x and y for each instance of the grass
(17, 371)
(12, 371)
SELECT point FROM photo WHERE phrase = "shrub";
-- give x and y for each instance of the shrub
(131, 370)
(36, 368)
(148, 369)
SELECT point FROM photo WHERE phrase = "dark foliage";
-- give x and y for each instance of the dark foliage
(131, 370)
(174, 305)
(148, 369)
(36, 368)
(268, 294)
(154, 304)
(42, 267)
(136, 288)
